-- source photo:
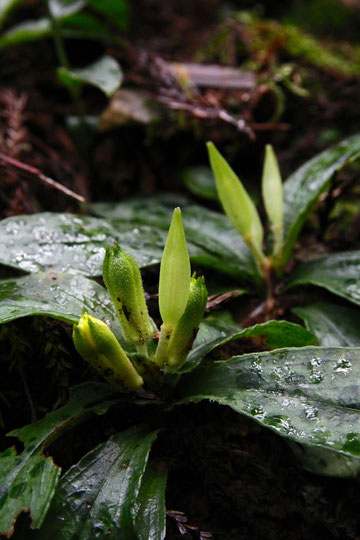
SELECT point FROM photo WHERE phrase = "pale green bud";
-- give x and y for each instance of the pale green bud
(184, 334)
(175, 273)
(272, 190)
(123, 281)
(236, 203)
(96, 343)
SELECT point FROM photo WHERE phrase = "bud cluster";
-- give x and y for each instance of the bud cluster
(182, 302)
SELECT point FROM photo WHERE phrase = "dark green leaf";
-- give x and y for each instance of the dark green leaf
(62, 8)
(150, 509)
(96, 497)
(310, 395)
(70, 243)
(28, 480)
(333, 324)
(26, 31)
(117, 11)
(338, 273)
(303, 187)
(104, 74)
(219, 329)
(200, 181)
(211, 239)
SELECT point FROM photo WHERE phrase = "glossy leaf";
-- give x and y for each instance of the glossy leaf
(104, 74)
(310, 395)
(219, 329)
(333, 324)
(75, 244)
(58, 295)
(211, 240)
(25, 32)
(28, 479)
(150, 509)
(303, 188)
(62, 8)
(338, 273)
(96, 497)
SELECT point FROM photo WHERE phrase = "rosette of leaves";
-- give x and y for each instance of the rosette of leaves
(306, 393)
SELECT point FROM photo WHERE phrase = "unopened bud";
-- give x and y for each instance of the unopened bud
(236, 203)
(185, 331)
(96, 343)
(175, 273)
(123, 281)
(272, 190)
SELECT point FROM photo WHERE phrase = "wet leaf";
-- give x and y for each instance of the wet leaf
(75, 244)
(310, 395)
(338, 273)
(219, 329)
(333, 324)
(104, 74)
(96, 498)
(63, 8)
(150, 509)
(211, 240)
(28, 480)
(303, 187)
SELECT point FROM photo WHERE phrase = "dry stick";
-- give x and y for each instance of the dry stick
(45, 179)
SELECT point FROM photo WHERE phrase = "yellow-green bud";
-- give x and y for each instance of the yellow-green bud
(96, 343)
(175, 273)
(272, 190)
(184, 334)
(123, 281)
(236, 203)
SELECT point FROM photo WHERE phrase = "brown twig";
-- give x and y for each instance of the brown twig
(33, 171)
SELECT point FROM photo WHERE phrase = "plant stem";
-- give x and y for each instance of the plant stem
(142, 348)
(161, 351)
(64, 62)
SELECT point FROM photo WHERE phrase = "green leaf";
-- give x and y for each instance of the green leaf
(338, 273)
(211, 240)
(309, 395)
(219, 329)
(25, 32)
(28, 480)
(200, 181)
(96, 497)
(6, 6)
(303, 188)
(150, 509)
(333, 324)
(104, 74)
(62, 8)
(57, 295)
(75, 244)
(117, 11)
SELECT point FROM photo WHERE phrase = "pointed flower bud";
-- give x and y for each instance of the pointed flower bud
(175, 273)
(123, 281)
(185, 331)
(96, 343)
(272, 190)
(236, 203)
